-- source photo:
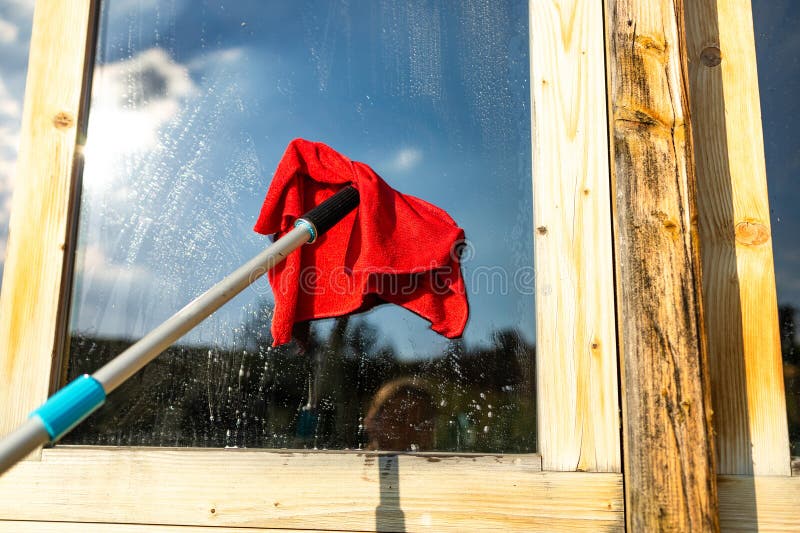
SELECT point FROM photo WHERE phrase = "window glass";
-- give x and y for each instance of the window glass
(778, 50)
(192, 106)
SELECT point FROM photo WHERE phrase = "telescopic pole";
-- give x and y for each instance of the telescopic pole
(72, 404)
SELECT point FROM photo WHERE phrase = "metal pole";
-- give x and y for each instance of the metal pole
(71, 405)
(126, 364)
(22, 441)
(38, 432)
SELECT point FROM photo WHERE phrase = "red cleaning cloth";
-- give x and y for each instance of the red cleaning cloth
(393, 248)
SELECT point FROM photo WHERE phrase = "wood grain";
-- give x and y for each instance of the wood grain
(669, 455)
(738, 274)
(347, 491)
(761, 503)
(578, 418)
(32, 277)
(17, 526)
(746, 504)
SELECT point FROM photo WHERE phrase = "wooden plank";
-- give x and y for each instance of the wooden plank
(669, 454)
(350, 491)
(578, 426)
(32, 278)
(738, 274)
(18, 526)
(746, 504)
(768, 503)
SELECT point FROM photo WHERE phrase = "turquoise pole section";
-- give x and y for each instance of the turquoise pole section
(70, 406)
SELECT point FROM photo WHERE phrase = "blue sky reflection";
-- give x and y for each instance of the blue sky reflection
(194, 104)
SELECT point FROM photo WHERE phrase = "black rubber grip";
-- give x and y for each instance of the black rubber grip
(332, 210)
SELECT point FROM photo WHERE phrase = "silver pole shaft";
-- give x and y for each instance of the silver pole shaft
(17, 445)
(126, 364)
(22, 441)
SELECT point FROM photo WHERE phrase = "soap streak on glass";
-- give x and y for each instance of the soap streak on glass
(192, 106)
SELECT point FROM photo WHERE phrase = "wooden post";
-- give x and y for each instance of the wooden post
(40, 212)
(668, 453)
(744, 349)
(576, 356)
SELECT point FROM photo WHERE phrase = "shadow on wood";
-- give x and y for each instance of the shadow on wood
(389, 516)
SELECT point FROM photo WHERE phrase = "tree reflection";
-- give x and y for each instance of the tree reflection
(344, 379)
(790, 348)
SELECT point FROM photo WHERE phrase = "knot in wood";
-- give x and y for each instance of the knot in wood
(63, 120)
(711, 56)
(652, 44)
(751, 233)
(669, 224)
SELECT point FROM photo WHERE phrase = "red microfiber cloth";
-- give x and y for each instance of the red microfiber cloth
(393, 248)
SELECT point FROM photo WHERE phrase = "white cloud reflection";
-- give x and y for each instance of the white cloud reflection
(405, 159)
(95, 262)
(8, 31)
(131, 101)
(10, 107)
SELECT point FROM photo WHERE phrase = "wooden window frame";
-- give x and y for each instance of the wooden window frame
(577, 47)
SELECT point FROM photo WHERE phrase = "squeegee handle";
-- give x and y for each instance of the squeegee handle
(69, 406)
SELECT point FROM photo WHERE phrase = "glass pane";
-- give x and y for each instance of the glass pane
(778, 51)
(192, 107)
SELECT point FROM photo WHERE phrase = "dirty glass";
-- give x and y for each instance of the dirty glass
(192, 105)
(778, 54)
